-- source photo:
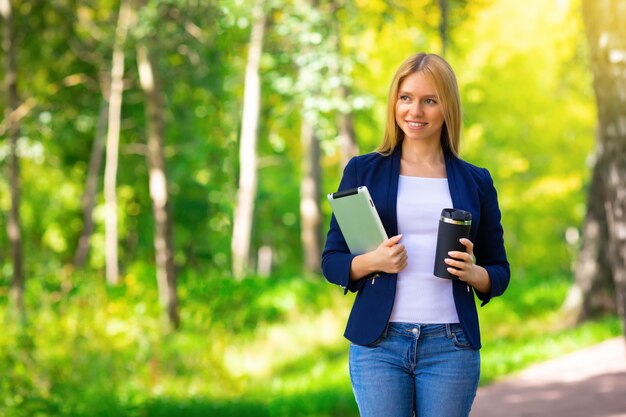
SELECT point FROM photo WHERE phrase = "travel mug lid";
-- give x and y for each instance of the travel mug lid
(456, 216)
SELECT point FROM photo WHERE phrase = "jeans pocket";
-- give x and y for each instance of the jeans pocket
(374, 344)
(377, 342)
(460, 340)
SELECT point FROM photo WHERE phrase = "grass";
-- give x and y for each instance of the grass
(257, 347)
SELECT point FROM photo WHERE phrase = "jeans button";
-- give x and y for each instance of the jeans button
(414, 330)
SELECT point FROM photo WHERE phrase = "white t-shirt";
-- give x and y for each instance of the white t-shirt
(421, 297)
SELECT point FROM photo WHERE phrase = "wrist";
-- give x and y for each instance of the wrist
(361, 267)
(480, 280)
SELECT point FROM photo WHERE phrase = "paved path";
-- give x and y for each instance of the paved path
(587, 383)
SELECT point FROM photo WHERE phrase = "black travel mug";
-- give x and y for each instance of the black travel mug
(454, 224)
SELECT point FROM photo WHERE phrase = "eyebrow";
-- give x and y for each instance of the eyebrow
(406, 93)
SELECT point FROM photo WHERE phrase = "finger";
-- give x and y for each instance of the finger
(404, 258)
(403, 264)
(468, 244)
(454, 263)
(391, 241)
(400, 248)
(399, 261)
(456, 272)
(396, 252)
(464, 256)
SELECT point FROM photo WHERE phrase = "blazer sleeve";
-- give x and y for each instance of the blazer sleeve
(336, 258)
(489, 247)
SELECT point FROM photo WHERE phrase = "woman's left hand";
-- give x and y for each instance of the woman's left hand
(464, 267)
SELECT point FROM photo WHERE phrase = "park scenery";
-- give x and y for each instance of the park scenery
(164, 171)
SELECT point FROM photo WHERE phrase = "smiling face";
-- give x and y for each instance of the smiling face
(419, 113)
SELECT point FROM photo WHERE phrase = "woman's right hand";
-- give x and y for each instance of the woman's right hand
(390, 257)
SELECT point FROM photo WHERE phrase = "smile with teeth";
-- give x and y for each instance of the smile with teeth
(416, 124)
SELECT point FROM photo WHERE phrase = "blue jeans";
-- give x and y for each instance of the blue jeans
(422, 370)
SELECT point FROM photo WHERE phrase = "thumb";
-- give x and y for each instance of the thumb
(392, 241)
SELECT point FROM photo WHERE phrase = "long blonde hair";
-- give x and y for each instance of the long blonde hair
(439, 72)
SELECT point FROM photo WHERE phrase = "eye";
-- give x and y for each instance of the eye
(430, 101)
(404, 98)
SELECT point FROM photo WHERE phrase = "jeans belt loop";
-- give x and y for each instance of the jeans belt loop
(449, 332)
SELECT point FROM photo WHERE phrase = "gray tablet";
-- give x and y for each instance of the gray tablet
(358, 219)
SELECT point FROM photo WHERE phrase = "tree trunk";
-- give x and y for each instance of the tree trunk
(347, 139)
(593, 292)
(606, 34)
(14, 233)
(443, 25)
(310, 210)
(348, 146)
(158, 188)
(113, 139)
(244, 210)
(91, 185)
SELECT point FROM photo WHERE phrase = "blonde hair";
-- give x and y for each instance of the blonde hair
(439, 72)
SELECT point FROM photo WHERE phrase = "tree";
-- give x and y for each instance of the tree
(88, 200)
(348, 145)
(318, 59)
(310, 211)
(12, 121)
(113, 139)
(606, 216)
(163, 246)
(244, 210)
(443, 25)
(593, 291)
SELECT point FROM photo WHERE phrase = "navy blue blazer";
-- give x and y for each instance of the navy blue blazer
(471, 189)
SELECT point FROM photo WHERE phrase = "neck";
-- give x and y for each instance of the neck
(422, 153)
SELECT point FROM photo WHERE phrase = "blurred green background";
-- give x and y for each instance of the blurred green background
(270, 345)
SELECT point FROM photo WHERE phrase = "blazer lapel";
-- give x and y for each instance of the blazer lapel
(392, 189)
(453, 184)
(462, 192)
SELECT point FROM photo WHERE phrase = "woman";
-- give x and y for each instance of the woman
(414, 337)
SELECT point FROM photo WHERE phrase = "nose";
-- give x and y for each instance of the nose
(416, 108)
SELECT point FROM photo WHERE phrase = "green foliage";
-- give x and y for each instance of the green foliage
(269, 346)
(257, 347)
(527, 98)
